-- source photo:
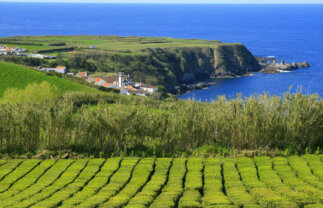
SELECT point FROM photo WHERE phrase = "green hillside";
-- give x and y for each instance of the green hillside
(16, 76)
(156, 61)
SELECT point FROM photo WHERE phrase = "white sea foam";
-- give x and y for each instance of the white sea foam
(282, 71)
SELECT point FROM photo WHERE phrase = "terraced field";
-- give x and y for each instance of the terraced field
(163, 182)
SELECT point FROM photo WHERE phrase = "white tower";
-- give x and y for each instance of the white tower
(121, 79)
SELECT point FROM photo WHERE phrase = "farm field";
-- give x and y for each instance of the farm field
(131, 182)
(115, 44)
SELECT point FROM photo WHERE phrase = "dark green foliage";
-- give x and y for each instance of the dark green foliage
(28, 61)
(57, 44)
(17, 41)
(54, 50)
(234, 59)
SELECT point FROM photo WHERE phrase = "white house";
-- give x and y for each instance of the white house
(92, 47)
(59, 69)
(150, 89)
(36, 56)
(139, 84)
(140, 93)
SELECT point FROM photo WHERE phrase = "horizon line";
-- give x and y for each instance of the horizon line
(61, 2)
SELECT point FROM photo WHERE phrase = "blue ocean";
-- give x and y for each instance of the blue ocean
(291, 32)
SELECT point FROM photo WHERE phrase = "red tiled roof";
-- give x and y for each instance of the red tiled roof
(111, 79)
(81, 74)
(131, 88)
(60, 67)
(97, 79)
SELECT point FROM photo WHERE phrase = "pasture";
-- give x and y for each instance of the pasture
(17, 76)
(133, 182)
(115, 44)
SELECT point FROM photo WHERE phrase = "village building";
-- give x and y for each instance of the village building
(89, 79)
(125, 91)
(112, 80)
(122, 82)
(36, 56)
(150, 89)
(49, 57)
(139, 92)
(58, 69)
(82, 74)
(99, 81)
(139, 84)
(92, 47)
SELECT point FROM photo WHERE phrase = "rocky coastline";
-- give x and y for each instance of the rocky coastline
(268, 65)
(184, 88)
(273, 65)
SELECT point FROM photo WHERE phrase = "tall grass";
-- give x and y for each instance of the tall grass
(92, 123)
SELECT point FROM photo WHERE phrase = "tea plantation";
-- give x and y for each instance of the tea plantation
(295, 181)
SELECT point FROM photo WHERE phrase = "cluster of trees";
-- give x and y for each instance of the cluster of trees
(28, 61)
(114, 125)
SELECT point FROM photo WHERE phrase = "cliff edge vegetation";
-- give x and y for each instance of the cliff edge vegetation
(155, 61)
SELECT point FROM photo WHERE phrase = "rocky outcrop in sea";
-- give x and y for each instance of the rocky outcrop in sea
(272, 65)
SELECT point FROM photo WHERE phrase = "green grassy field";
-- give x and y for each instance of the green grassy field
(295, 181)
(117, 44)
(16, 76)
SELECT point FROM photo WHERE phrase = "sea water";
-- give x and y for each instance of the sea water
(290, 32)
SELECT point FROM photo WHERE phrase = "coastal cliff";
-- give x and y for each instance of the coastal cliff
(233, 60)
(182, 66)
(176, 65)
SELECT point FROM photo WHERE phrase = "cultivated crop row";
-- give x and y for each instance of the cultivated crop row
(304, 172)
(147, 195)
(290, 178)
(258, 189)
(173, 190)
(233, 185)
(117, 182)
(213, 184)
(316, 165)
(274, 182)
(139, 177)
(66, 178)
(28, 179)
(100, 180)
(193, 185)
(67, 191)
(279, 182)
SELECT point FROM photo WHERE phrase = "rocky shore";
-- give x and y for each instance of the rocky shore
(272, 65)
(268, 65)
(183, 88)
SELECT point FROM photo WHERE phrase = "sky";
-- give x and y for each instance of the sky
(181, 1)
